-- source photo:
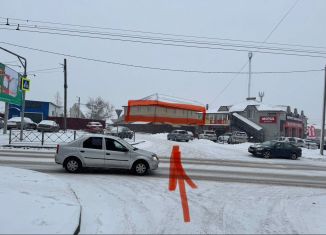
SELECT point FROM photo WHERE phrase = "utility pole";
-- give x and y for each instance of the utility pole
(249, 82)
(78, 107)
(65, 94)
(323, 119)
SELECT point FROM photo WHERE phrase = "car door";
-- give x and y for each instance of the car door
(116, 154)
(288, 148)
(278, 149)
(93, 152)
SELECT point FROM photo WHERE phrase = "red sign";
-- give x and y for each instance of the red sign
(311, 131)
(267, 119)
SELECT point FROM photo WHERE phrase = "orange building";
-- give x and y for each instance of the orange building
(164, 109)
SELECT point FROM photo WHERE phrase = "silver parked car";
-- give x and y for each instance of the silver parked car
(238, 137)
(208, 135)
(97, 150)
(179, 135)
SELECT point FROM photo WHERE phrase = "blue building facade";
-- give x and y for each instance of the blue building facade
(35, 110)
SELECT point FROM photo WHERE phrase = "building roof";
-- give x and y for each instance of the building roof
(250, 123)
(216, 111)
(260, 106)
(49, 102)
(171, 99)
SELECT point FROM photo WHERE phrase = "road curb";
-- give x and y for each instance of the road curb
(79, 222)
(77, 230)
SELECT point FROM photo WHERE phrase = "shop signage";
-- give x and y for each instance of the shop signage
(293, 118)
(267, 119)
(293, 125)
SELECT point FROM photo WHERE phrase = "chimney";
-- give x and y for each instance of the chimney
(251, 98)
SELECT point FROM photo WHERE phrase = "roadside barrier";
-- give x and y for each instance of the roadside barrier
(43, 138)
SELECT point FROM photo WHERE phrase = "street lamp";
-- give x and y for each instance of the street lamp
(249, 82)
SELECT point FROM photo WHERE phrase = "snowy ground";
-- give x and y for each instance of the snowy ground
(129, 204)
(36, 203)
(206, 149)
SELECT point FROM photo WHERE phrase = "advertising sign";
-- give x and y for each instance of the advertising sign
(311, 132)
(267, 119)
(9, 85)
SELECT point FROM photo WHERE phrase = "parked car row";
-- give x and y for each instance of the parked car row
(304, 143)
(235, 137)
(119, 131)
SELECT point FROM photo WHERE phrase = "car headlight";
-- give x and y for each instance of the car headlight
(260, 149)
(154, 157)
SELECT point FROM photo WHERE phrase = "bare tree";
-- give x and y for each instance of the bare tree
(99, 108)
(58, 102)
(57, 99)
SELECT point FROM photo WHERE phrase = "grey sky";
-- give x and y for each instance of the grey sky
(245, 20)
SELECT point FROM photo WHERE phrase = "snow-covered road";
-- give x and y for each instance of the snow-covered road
(118, 202)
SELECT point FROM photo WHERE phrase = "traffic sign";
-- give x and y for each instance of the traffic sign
(25, 84)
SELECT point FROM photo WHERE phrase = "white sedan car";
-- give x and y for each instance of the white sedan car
(96, 150)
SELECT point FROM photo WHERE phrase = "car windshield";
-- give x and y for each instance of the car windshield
(128, 145)
(268, 143)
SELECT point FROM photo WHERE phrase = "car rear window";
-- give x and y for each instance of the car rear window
(210, 132)
(93, 143)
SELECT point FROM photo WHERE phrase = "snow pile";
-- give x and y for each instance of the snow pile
(206, 149)
(33, 203)
(136, 205)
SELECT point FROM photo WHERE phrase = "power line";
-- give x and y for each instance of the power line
(43, 70)
(265, 40)
(155, 68)
(177, 45)
(149, 40)
(82, 34)
(166, 34)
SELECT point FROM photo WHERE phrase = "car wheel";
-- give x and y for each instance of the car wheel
(140, 168)
(294, 156)
(267, 154)
(72, 165)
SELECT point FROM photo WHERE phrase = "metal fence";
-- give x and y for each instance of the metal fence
(43, 138)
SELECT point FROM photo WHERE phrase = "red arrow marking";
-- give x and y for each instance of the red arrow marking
(178, 176)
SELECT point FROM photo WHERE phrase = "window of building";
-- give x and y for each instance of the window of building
(250, 113)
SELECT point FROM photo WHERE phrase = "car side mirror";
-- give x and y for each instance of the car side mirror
(125, 150)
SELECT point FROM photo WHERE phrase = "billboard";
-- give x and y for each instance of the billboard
(9, 85)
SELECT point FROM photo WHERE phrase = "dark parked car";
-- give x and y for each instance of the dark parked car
(120, 131)
(179, 135)
(48, 126)
(278, 149)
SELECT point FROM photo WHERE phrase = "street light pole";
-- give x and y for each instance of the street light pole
(65, 94)
(323, 119)
(249, 82)
(23, 62)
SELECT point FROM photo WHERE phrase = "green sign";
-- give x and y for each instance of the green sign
(9, 85)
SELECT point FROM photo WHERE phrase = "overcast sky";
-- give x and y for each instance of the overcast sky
(242, 20)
